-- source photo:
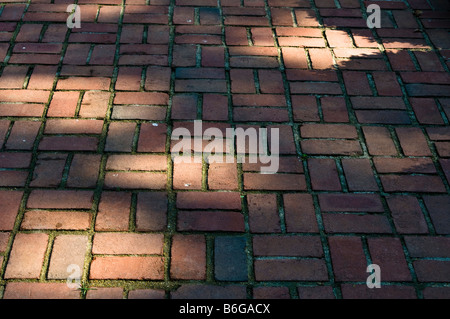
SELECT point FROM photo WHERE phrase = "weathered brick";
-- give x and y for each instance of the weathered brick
(263, 213)
(27, 256)
(127, 267)
(113, 212)
(347, 255)
(290, 269)
(210, 221)
(127, 244)
(60, 199)
(67, 250)
(230, 259)
(34, 290)
(56, 220)
(407, 214)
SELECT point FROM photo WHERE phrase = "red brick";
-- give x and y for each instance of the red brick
(68, 143)
(152, 137)
(34, 290)
(379, 141)
(28, 96)
(291, 269)
(304, 108)
(294, 58)
(210, 221)
(113, 212)
(127, 244)
(387, 84)
(316, 292)
(259, 100)
(48, 170)
(157, 79)
(199, 291)
(423, 247)
(60, 199)
(146, 294)
(83, 83)
(256, 181)
(271, 293)
(242, 81)
(299, 213)
(13, 77)
(412, 183)
(351, 291)
(356, 83)
(63, 104)
(67, 250)
(350, 202)
(432, 270)
(137, 163)
(349, 261)
(105, 293)
(324, 174)
(404, 165)
(184, 107)
(306, 246)
(141, 98)
(129, 78)
(128, 267)
(355, 223)
(281, 16)
(388, 254)
(151, 211)
(400, 60)
(4, 127)
(54, 126)
(321, 59)
(27, 256)
(222, 176)
(306, 18)
(94, 104)
(188, 257)
(436, 293)
(120, 137)
(263, 213)
(213, 56)
(135, 180)
(15, 160)
(437, 208)
(23, 135)
(253, 62)
(271, 81)
(13, 178)
(10, 207)
(359, 174)
(209, 200)
(42, 77)
(215, 107)
(407, 215)
(187, 176)
(56, 220)
(84, 171)
(4, 238)
(331, 147)
(324, 88)
(334, 109)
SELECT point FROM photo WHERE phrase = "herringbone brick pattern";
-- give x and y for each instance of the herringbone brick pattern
(87, 178)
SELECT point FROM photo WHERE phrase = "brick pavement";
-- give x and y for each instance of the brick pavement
(86, 176)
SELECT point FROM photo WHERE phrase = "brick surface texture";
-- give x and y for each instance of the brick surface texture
(88, 184)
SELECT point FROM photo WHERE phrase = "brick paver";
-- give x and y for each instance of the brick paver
(87, 180)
